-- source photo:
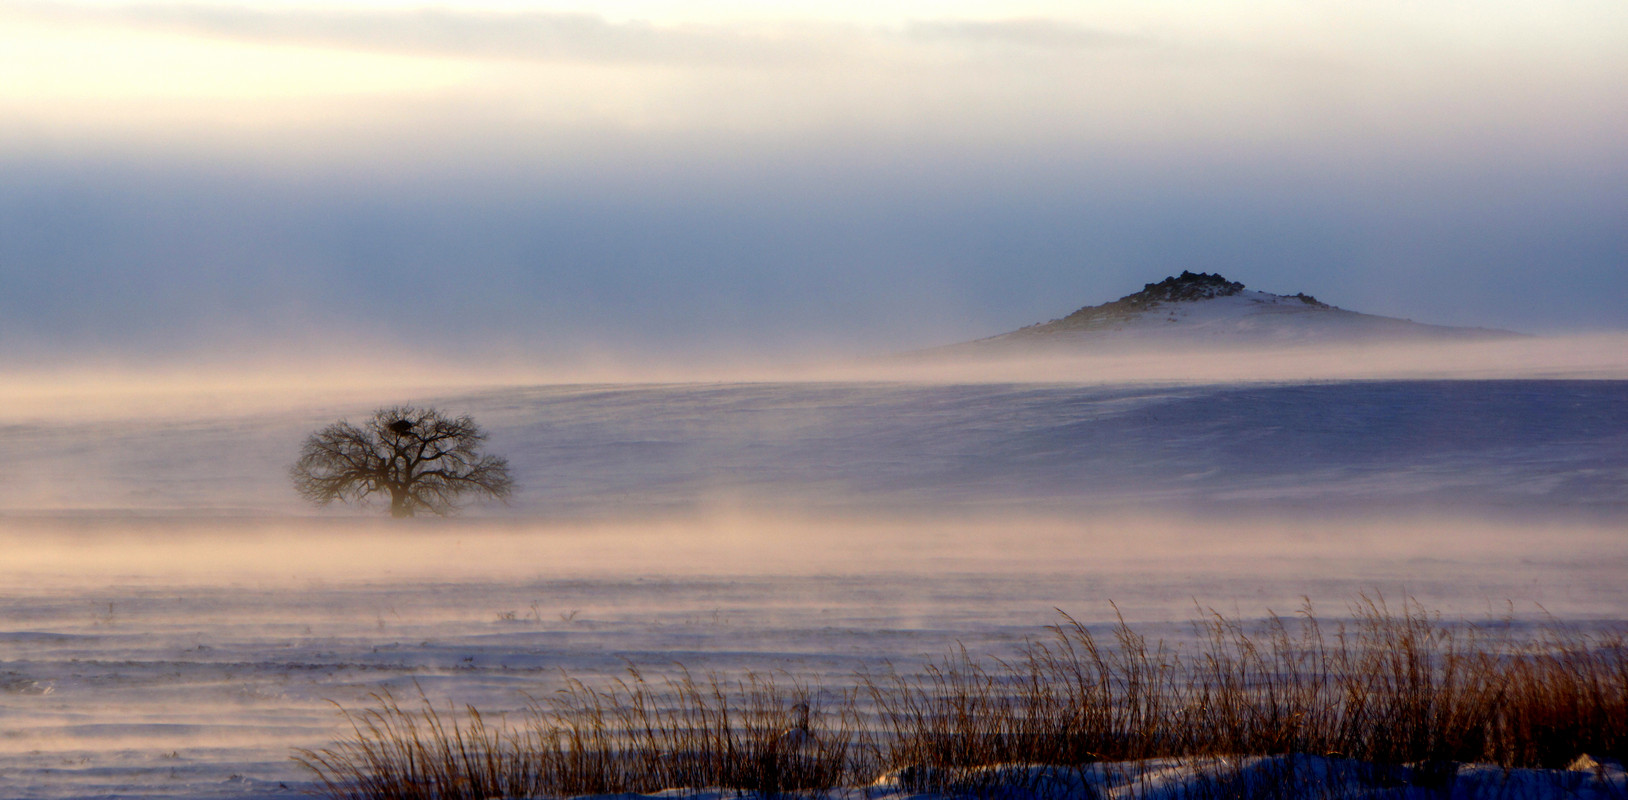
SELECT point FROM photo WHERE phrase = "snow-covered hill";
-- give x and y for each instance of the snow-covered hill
(1202, 308)
(612, 450)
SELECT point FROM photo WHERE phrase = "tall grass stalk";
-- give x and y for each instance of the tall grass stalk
(1388, 686)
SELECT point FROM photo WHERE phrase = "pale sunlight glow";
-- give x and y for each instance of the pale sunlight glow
(1155, 74)
(49, 63)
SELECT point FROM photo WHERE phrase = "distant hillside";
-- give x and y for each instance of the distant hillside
(1201, 308)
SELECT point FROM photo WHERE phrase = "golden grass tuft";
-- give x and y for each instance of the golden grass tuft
(1388, 686)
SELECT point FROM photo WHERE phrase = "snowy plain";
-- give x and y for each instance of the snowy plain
(173, 623)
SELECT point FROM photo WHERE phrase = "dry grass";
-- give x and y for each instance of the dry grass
(1388, 686)
(631, 736)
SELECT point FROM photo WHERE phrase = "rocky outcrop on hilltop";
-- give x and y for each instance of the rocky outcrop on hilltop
(1197, 309)
(1183, 288)
(1186, 286)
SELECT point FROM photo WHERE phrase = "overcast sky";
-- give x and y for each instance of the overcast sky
(553, 178)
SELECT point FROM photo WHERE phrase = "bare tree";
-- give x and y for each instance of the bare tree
(424, 460)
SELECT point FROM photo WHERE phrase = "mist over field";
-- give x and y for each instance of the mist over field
(177, 620)
(1109, 426)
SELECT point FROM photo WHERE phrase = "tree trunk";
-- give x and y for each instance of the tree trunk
(399, 507)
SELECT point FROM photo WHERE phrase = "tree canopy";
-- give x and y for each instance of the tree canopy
(423, 460)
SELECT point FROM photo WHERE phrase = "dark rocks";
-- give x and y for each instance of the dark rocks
(1186, 287)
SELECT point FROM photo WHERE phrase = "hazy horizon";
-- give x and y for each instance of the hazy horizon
(660, 180)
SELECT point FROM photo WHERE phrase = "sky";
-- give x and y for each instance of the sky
(549, 181)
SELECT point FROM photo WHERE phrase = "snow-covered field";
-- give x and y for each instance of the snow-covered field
(173, 622)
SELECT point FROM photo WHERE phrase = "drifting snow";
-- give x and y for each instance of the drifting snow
(184, 634)
(611, 450)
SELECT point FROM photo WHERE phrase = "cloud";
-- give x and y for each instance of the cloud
(527, 36)
(545, 36)
(1042, 33)
(410, 80)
